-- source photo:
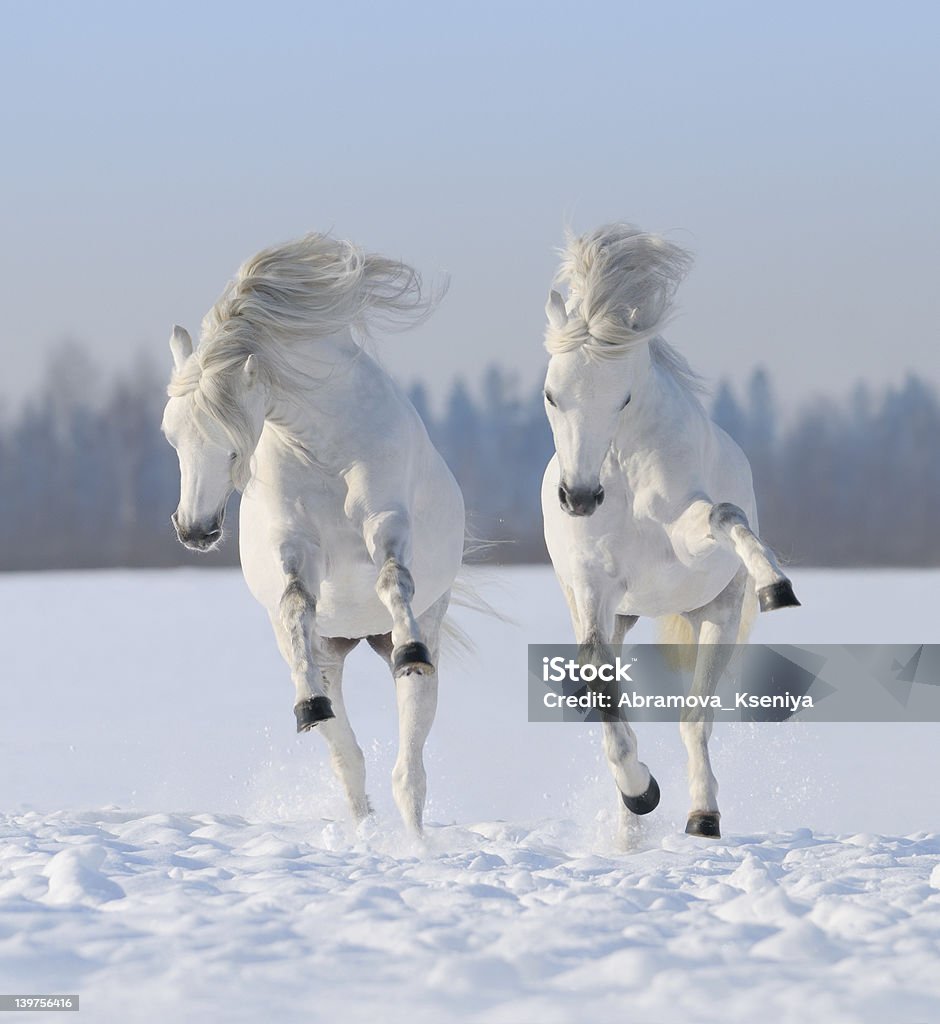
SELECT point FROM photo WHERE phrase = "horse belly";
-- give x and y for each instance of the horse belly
(347, 603)
(671, 587)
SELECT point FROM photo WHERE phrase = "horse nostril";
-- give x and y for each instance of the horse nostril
(198, 537)
(580, 502)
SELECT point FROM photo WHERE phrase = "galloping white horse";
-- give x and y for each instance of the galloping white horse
(649, 507)
(351, 524)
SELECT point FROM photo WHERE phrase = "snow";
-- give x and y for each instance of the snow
(170, 849)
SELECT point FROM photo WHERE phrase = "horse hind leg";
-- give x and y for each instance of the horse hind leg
(729, 526)
(346, 755)
(416, 696)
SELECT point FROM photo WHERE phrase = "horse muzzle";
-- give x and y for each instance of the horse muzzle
(198, 536)
(581, 501)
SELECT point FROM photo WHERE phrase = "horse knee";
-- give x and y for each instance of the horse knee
(295, 603)
(593, 650)
(393, 576)
(724, 515)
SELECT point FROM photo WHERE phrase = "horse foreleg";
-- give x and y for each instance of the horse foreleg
(617, 743)
(703, 525)
(622, 623)
(295, 626)
(346, 756)
(596, 625)
(572, 606)
(388, 540)
(729, 526)
(716, 628)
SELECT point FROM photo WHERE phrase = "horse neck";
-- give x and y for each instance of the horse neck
(657, 400)
(308, 414)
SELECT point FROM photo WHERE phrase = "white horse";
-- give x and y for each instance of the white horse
(649, 507)
(351, 524)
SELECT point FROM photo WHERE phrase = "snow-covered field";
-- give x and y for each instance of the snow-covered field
(171, 850)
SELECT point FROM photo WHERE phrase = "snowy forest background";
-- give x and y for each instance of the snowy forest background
(87, 479)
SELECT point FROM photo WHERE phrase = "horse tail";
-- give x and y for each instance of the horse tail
(455, 639)
(676, 630)
(466, 592)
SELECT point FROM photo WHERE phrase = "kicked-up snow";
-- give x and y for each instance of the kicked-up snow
(171, 850)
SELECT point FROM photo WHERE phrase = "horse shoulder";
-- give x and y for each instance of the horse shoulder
(395, 468)
(664, 478)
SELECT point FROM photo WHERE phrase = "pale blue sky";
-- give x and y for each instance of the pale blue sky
(793, 147)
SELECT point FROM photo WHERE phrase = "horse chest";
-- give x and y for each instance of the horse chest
(633, 554)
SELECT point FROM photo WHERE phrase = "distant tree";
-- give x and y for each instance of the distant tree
(86, 478)
(728, 414)
(418, 394)
(762, 415)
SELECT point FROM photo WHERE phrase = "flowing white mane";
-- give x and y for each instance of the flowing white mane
(295, 293)
(621, 282)
(286, 297)
(313, 287)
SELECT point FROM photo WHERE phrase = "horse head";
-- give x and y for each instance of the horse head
(586, 398)
(213, 419)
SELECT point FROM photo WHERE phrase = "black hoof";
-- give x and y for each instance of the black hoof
(645, 802)
(703, 823)
(777, 595)
(411, 658)
(310, 712)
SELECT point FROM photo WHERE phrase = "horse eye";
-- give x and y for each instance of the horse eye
(233, 456)
(627, 402)
(549, 399)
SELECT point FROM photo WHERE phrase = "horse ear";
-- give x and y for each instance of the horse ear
(250, 370)
(181, 345)
(555, 310)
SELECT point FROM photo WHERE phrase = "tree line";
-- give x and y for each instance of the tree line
(87, 480)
